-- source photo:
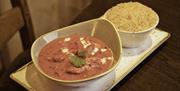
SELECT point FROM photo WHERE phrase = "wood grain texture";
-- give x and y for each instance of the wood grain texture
(161, 70)
(27, 32)
(10, 22)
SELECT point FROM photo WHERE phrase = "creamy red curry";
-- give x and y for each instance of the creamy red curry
(75, 57)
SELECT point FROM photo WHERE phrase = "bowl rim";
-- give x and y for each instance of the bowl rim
(146, 30)
(85, 79)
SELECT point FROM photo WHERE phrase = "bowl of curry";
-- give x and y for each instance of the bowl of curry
(78, 55)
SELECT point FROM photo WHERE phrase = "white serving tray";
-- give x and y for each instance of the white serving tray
(28, 75)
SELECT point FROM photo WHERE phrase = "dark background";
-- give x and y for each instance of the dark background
(161, 70)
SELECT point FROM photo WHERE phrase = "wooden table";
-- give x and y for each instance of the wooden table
(161, 70)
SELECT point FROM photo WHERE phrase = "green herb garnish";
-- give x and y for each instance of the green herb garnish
(77, 61)
(81, 54)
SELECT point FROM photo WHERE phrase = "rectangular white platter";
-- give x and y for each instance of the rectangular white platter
(130, 59)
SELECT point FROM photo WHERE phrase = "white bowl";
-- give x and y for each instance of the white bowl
(134, 39)
(100, 28)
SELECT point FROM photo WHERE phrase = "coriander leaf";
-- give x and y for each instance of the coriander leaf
(76, 61)
(81, 54)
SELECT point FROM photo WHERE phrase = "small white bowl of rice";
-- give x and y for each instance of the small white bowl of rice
(134, 22)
